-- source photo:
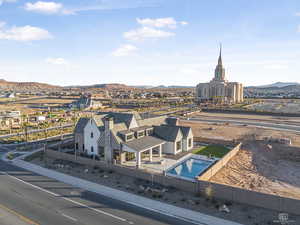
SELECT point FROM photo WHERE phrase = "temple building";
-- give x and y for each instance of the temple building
(219, 90)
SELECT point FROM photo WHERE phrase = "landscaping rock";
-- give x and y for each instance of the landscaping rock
(224, 208)
(142, 187)
(192, 202)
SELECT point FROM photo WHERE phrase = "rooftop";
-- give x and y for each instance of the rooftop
(144, 143)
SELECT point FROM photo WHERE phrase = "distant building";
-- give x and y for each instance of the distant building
(219, 90)
(85, 102)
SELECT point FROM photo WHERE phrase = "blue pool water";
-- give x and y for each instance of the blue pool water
(191, 168)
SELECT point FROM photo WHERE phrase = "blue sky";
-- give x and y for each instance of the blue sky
(149, 42)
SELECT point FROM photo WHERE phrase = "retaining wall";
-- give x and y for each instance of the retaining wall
(220, 191)
(220, 164)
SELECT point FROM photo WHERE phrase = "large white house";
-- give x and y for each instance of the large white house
(121, 136)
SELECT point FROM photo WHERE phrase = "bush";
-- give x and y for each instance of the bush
(228, 203)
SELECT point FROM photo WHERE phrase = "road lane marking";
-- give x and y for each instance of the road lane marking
(69, 217)
(23, 218)
(74, 202)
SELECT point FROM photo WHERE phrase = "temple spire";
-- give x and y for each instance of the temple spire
(220, 56)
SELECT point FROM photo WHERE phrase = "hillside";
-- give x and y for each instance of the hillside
(103, 86)
(25, 86)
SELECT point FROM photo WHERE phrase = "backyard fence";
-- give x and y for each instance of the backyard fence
(219, 191)
(208, 174)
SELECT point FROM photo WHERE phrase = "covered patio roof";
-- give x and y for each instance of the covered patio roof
(144, 143)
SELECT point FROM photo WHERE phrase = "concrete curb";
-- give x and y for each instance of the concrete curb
(149, 204)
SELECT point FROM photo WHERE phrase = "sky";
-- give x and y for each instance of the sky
(149, 42)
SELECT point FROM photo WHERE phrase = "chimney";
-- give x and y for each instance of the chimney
(108, 123)
(108, 151)
(173, 121)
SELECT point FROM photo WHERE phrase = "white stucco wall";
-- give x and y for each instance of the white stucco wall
(170, 147)
(88, 141)
(133, 123)
(185, 142)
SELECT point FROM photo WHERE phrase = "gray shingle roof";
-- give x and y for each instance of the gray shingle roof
(144, 143)
(124, 132)
(114, 140)
(80, 125)
(122, 117)
(185, 131)
(99, 120)
(152, 121)
(168, 133)
(140, 128)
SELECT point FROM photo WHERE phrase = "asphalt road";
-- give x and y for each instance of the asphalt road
(45, 201)
(273, 126)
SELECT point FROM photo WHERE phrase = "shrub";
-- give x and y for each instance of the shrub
(228, 203)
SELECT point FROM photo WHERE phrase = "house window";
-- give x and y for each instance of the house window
(190, 142)
(76, 146)
(83, 147)
(92, 149)
(129, 137)
(92, 135)
(178, 145)
(141, 134)
(150, 131)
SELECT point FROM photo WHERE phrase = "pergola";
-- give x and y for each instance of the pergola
(144, 144)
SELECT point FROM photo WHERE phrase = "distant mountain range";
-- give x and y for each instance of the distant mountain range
(25, 86)
(161, 86)
(276, 85)
(104, 86)
(35, 86)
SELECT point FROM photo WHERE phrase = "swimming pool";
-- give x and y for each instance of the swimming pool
(190, 168)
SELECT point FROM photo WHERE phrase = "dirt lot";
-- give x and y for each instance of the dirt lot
(256, 167)
(262, 169)
(230, 132)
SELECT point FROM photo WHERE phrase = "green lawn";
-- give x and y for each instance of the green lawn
(212, 150)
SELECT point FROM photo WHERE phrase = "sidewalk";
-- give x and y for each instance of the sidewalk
(149, 204)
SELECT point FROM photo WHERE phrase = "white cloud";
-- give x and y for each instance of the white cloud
(168, 22)
(159, 23)
(57, 61)
(25, 33)
(184, 23)
(125, 50)
(146, 33)
(44, 7)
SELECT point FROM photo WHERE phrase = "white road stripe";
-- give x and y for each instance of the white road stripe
(74, 202)
(69, 217)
